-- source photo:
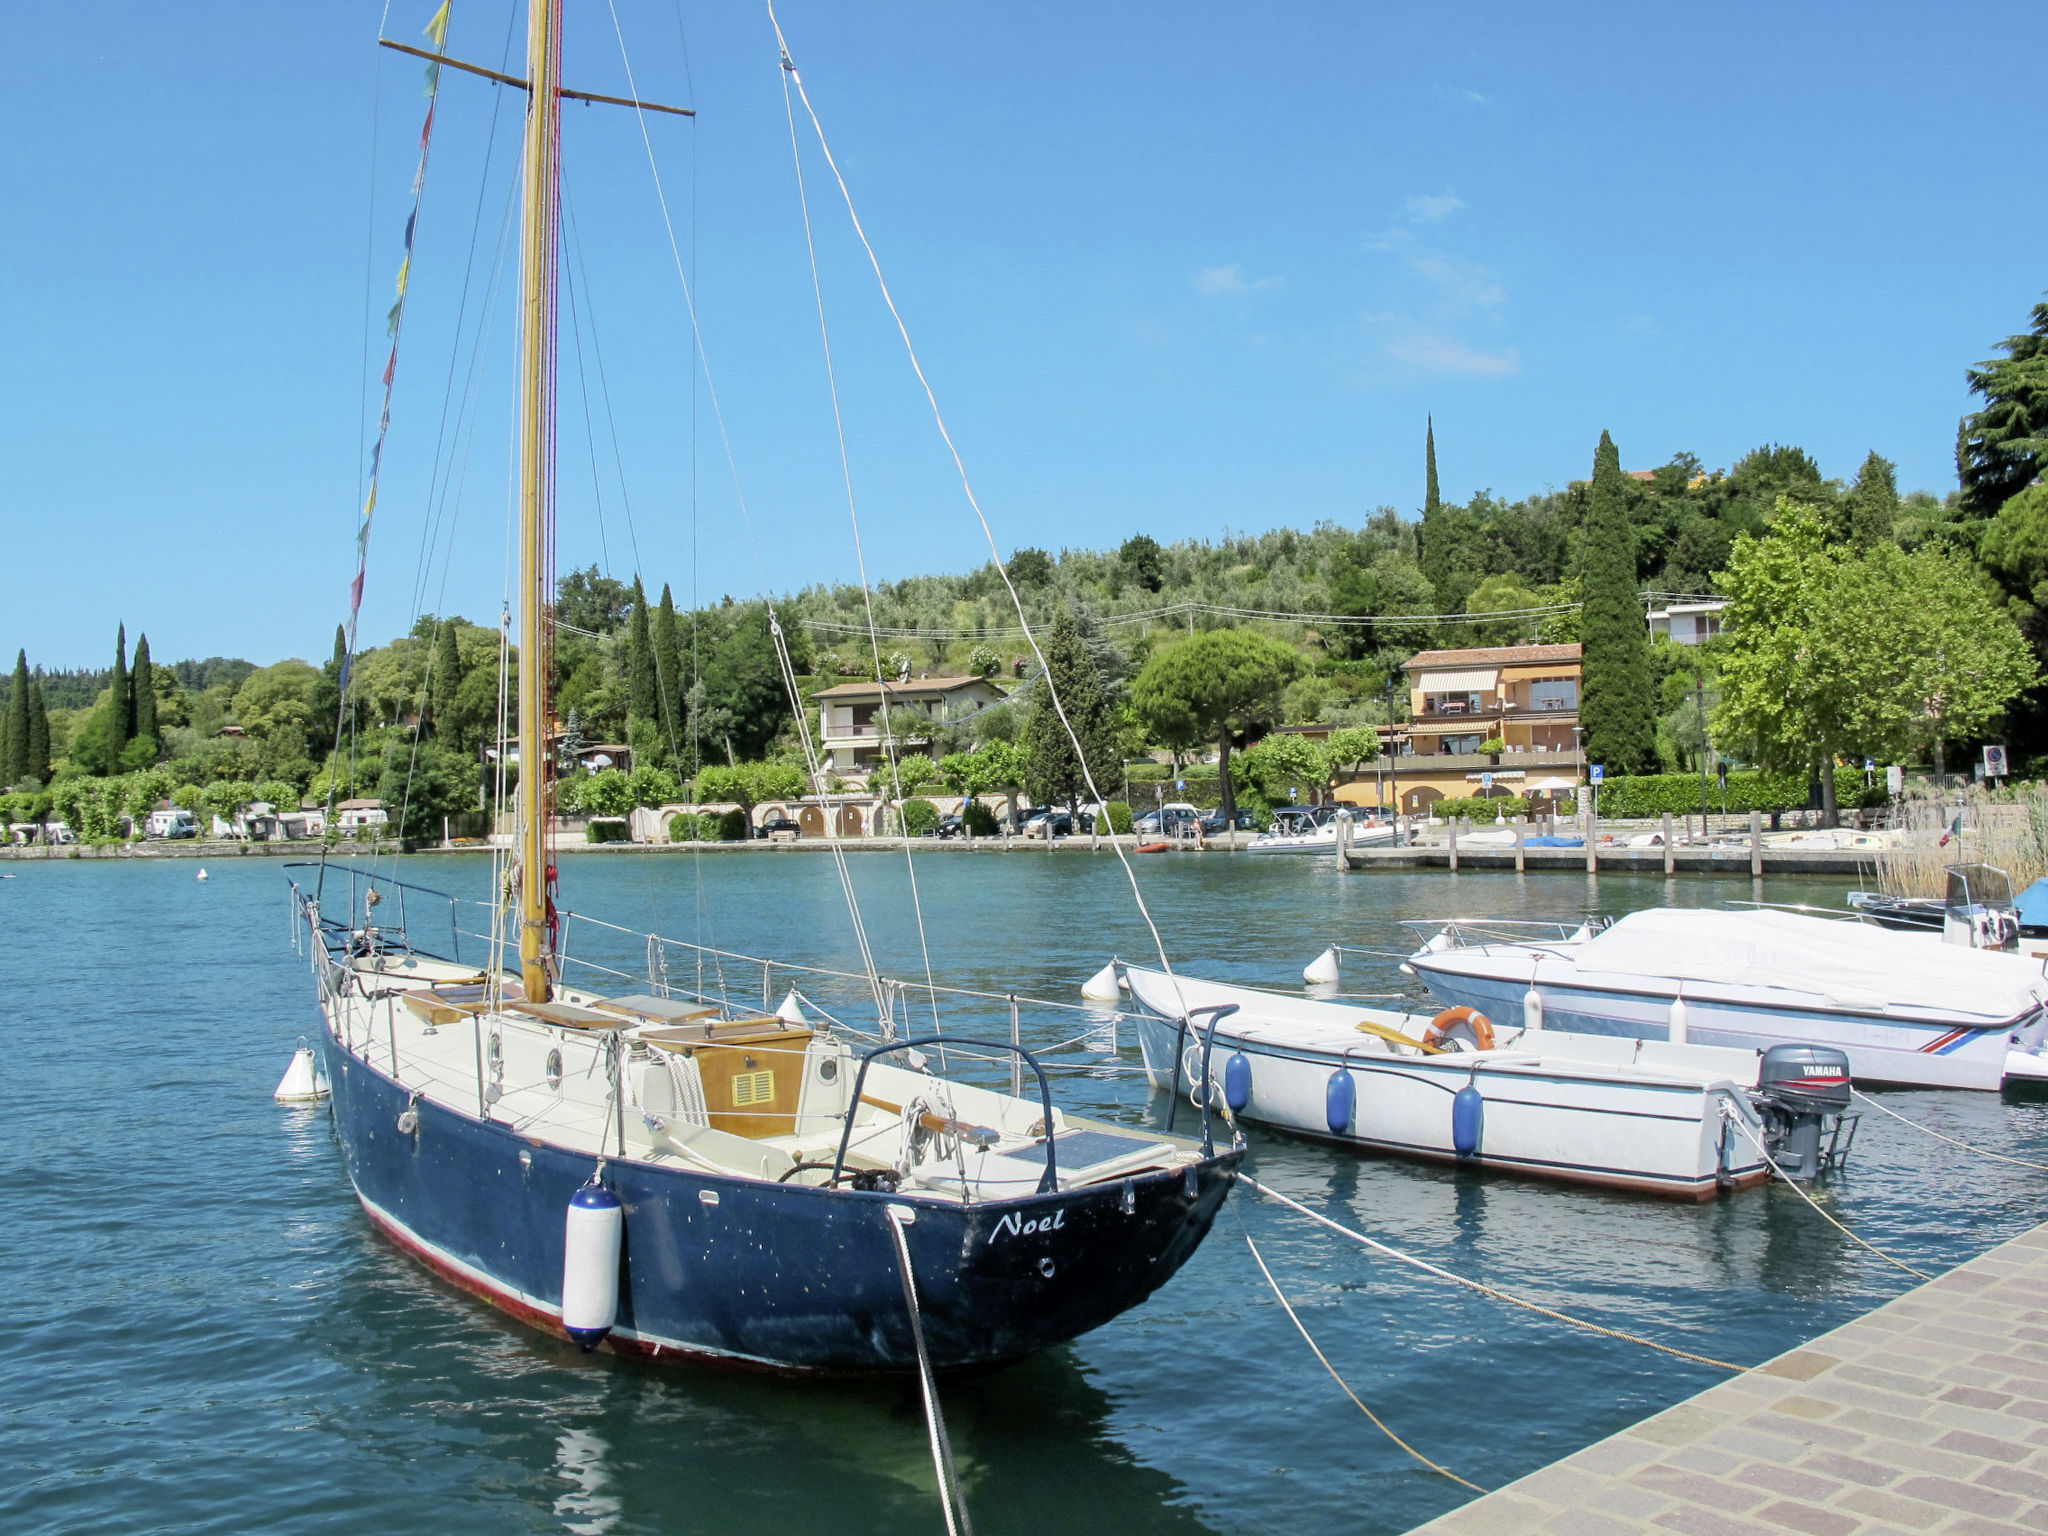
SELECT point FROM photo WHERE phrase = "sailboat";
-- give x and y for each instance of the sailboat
(656, 1171)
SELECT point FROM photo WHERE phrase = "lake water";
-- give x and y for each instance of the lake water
(207, 1337)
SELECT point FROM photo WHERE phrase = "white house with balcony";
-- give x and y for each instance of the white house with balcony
(850, 732)
(1689, 623)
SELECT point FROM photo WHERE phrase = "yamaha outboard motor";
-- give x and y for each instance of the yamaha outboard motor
(1802, 1092)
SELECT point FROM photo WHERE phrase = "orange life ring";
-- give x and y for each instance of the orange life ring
(1475, 1025)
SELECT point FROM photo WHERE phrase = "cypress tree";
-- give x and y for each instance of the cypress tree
(669, 674)
(1873, 503)
(643, 698)
(120, 705)
(1432, 501)
(38, 734)
(447, 677)
(1052, 770)
(14, 740)
(143, 685)
(1616, 708)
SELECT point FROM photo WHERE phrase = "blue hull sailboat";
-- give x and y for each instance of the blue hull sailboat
(664, 1172)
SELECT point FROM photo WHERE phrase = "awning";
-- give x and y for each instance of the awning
(1553, 784)
(1481, 681)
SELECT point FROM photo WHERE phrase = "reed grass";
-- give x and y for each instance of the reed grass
(2006, 827)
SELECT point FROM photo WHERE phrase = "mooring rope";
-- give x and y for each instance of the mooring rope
(1488, 1290)
(957, 1523)
(1939, 1136)
(1839, 1226)
(1378, 1423)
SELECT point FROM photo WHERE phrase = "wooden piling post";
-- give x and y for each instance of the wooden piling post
(1670, 853)
(1343, 845)
(1521, 844)
(1453, 828)
(1586, 837)
(1756, 845)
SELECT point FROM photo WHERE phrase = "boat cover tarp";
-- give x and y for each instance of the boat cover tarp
(1853, 965)
(2033, 905)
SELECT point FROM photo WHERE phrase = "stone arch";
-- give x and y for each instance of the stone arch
(850, 821)
(764, 813)
(1418, 801)
(811, 821)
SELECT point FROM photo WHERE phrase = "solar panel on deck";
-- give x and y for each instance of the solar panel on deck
(1083, 1149)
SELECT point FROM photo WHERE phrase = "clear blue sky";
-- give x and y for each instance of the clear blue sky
(1174, 269)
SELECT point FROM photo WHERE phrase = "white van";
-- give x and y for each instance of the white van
(172, 824)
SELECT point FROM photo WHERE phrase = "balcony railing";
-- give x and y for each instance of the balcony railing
(1548, 762)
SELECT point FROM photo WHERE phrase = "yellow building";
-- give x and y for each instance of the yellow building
(1522, 701)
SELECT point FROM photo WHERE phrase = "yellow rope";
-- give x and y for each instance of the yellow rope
(1938, 1136)
(1488, 1290)
(1378, 1422)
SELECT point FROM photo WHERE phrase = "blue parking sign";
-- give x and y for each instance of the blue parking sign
(1599, 773)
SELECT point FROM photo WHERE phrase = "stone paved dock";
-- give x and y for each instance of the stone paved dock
(1929, 1414)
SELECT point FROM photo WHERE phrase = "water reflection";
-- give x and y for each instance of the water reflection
(587, 1510)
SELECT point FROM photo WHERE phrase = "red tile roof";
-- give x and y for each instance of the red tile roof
(1493, 656)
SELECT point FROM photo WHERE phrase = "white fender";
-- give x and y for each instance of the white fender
(1325, 970)
(590, 1265)
(1681, 1025)
(1532, 1010)
(1103, 986)
(791, 1012)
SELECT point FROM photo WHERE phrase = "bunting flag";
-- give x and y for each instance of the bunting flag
(394, 322)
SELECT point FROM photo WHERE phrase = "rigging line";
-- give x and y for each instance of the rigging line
(955, 1507)
(1938, 1136)
(861, 562)
(1377, 1422)
(703, 355)
(583, 392)
(1484, 1289)
(967, 486)
(1839, 1226)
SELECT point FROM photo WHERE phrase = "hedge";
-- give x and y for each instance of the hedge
(608, 829)
(689, 827)
(1652, 794)
(981, 821)
(1480, 808)
(1117, 817)
(919, 817)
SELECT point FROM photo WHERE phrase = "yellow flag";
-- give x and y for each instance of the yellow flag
(437, 29)
(404, 271)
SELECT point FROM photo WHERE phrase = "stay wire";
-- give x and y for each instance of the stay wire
(860, 554)
(703, 355)
(1483, 1288)
(1295, 1318)
(1840, 1226)
(967, 486)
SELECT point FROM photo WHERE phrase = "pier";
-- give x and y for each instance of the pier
(1928, 1414)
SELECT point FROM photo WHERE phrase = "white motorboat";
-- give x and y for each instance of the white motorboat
(1907, 1008)
(1313, 829)
(1686, 1121)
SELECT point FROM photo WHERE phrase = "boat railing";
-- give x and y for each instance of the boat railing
(366, 891)
(1470, 932)
(1048, 1182)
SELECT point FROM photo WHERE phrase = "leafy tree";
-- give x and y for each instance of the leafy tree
(143, 685)
(1214, 686)
(2003, 448)
(1056, 772)
(919, 817)
(1872, 503)
(1141, 561)
(608, 792)
(1365, 583)
(1352, 747)
(14, 760)
(745, 699)
(419, 788)
(1621, 725)
(1029, 568)
(592, 602)
(278, 792)
(909, 774)
(983, 662)
(1504, 593)
(654, 786)
(1284, 767)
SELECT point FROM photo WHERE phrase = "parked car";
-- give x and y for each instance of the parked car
(1155, 823)
(780, 829)
(952, 824)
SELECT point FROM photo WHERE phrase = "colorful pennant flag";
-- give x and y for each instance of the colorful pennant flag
(394, 322)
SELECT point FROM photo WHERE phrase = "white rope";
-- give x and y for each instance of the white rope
(955, 1507)
(1377, 1422)
(1938, 1136)
(1480, 1286)
(1839, 1226)
(967, 485)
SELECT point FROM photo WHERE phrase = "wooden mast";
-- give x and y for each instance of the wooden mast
(537, 266)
